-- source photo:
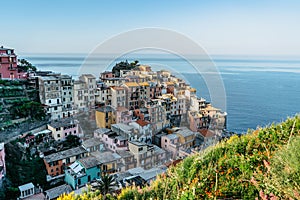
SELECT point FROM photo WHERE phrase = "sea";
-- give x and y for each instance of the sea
(257, 90)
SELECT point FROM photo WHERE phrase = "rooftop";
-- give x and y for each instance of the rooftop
(131, 84)
(91, 142)
(124, 153)
(57, 191)
(3, 48)
(102, 130)
(105, 157)
(206, 133)
(88, 75)
(63, 122)
(48, 78)
(89, 162)
(144, 84)
(123, 127)
(64, 154)
(142, 122)
(185, 132)
(171, 136)
(117, 88)
(105, 109)
(26, 186)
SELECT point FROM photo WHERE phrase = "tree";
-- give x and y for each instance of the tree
(71, 141)
(107, 184)
(24, 65)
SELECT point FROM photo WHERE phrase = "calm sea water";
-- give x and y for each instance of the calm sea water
(259, 90)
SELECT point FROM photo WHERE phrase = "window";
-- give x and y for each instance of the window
(58, 135)
(55, 108)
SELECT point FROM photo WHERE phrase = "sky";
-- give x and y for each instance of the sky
(231, 27)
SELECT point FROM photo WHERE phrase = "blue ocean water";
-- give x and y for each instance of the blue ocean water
(259, 90)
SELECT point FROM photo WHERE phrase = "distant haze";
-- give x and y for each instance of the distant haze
(257, 27)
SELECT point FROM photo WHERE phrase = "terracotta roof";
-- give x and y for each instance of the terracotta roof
(170, 83)
(131, 84)
(144, 84)
(117, 88)
(142, 122)
(206, 133)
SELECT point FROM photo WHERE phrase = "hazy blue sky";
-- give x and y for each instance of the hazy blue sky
(259, 27)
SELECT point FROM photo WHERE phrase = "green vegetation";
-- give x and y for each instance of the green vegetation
(261, 164)
(106, 184)
(22, 168)
(23, 108)
(124, 66)
(24, 65)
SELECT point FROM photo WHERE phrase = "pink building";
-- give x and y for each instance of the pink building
(171, 144)
(106, 74)
(62, 128)
(8, 65)
(2, 161)
(113, 141)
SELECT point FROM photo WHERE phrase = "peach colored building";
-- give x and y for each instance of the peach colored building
(55, 163)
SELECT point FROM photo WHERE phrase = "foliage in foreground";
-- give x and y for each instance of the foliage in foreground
(260, 164)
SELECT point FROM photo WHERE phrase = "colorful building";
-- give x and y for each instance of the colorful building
(9, 65)
(64, 127)
(105, 117)
(56, 163)
(82, 171)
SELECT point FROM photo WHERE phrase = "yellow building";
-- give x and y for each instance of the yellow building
(105, 117)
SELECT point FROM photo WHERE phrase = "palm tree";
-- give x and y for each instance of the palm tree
(107, 184)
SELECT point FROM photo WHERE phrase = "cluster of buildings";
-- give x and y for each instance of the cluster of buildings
(145, 120)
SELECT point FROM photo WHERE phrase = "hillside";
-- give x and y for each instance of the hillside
(264, 163)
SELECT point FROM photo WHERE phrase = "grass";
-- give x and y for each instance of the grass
(262, 163)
